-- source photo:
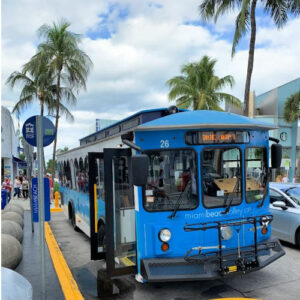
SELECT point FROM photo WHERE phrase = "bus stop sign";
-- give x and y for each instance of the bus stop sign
(35, 204)
(29, 131)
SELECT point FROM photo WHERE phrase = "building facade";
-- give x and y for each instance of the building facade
(100, 124)
(9, 146)
(269, 107)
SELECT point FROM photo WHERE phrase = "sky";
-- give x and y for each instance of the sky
(136, 46)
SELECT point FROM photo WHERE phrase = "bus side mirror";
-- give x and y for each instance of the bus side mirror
(276, 155)
(139, 169)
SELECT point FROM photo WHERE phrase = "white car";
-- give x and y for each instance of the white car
(285, 207)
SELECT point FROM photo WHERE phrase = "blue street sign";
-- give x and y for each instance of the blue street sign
(29, 131)
(35, 201)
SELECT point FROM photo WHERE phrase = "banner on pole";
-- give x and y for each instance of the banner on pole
(35, 202)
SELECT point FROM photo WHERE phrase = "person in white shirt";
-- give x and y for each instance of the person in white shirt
(285, 178)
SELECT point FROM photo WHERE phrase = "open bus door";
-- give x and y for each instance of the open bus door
(96, 192)
(112, 213)
(120, 213)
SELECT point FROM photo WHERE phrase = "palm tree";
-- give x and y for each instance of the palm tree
(198, 87)
(291, 113)
(66, 61)
(38, 86)
(278, 9)
(33, 88)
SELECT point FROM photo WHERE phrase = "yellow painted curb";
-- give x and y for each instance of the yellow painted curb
(236, 299)
(54, 209)
(66, 280)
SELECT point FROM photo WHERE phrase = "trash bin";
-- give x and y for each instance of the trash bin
(3, 198)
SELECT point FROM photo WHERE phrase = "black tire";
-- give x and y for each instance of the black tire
(72, 218)
(298, 238)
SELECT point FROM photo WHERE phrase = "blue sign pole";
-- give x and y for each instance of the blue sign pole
(40, 132)
(39, 137)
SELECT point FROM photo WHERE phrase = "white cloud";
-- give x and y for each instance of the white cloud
(146, 48)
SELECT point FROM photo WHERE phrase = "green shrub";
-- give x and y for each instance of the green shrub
(56, 187)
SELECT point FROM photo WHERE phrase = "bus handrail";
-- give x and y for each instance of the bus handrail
(263, 220)
(230, 222)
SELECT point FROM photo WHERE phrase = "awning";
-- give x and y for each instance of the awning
(20, 161)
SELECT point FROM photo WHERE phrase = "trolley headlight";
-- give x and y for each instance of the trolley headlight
(226, 233)
(165, 235)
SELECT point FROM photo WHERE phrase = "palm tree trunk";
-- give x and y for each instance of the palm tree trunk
(250, 58)
(56, 125)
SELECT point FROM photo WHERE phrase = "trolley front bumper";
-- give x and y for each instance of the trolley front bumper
(207, 267)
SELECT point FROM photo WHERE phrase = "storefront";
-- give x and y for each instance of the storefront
(9, 146)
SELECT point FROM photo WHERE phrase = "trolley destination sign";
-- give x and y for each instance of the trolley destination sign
(217, 137)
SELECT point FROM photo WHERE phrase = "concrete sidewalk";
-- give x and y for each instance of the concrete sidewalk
(30, 266)
(21, 201)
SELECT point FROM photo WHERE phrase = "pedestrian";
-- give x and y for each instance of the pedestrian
(285, 178)
(17, 186)
(8, 188)
(48, 175)
(25, 187)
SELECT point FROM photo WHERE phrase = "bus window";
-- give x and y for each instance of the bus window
(172, 177)
(256, 173)
(121, 181)
(67, 175)
(60, 173)
(76, 170)
(221, 176)
(82, 175)
(100, 178)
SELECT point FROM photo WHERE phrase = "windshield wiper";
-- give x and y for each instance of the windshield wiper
(179, 201)
(237, 184)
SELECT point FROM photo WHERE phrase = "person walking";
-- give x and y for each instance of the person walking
(8, 188)
(17, 186)
(25, 187)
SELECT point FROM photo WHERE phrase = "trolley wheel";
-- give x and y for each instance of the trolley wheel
(73, 221)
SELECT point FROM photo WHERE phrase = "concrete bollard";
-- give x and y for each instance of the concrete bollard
(13, 216)
(14, 208)
(16, 204)
(11, 251)
(12, 228)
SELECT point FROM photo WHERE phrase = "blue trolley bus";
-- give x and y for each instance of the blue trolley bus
(171, 195)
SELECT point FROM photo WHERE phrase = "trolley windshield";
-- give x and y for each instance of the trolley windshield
(172, 180)
(221, 177)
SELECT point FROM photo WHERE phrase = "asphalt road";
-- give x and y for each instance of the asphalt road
(278, 281)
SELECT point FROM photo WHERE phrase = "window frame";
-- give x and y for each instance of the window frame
(245, 170)
(222, 146)
(294, 205)
(197, 179)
